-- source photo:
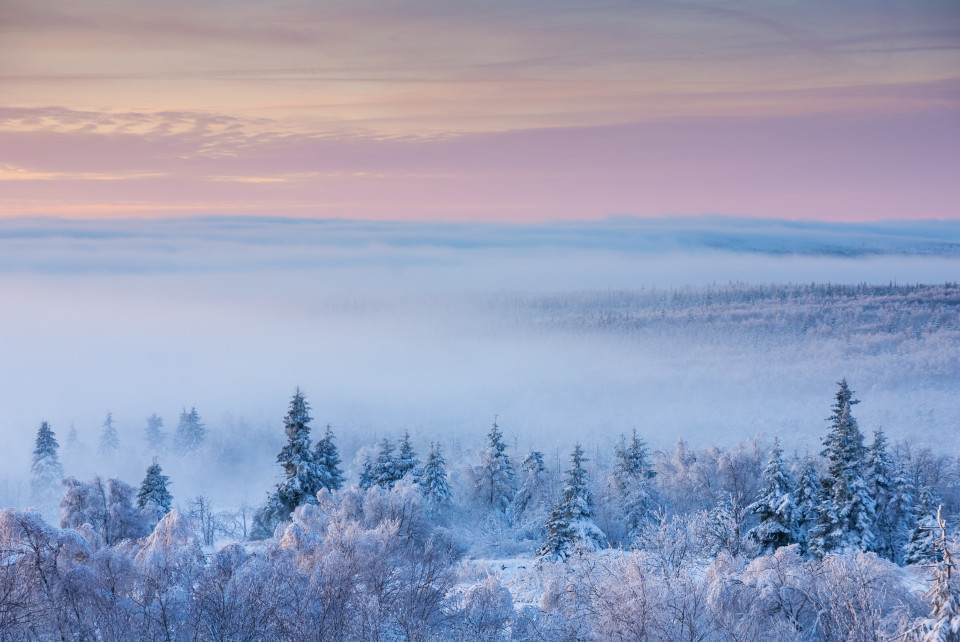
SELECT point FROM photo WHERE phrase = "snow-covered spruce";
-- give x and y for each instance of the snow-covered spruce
(494, 480)
(46, 470)
(433, 482)
(153, 495)
(774, 508)
(633, 478)
(109, 439)
(571, 526)
(190, 432)
(847, 511)
(154, 434)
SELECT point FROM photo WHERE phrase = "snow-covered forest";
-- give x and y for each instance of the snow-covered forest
(749, 542)
(583, 465)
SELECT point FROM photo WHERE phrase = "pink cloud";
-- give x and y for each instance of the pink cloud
(835, 167)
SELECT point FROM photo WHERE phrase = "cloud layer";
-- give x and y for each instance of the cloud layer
(480, 111)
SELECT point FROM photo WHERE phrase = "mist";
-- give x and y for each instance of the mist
(437, 328)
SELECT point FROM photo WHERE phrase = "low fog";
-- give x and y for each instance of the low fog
(436, 329)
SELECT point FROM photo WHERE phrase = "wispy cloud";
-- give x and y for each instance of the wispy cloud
(501, 110)
(10, 173)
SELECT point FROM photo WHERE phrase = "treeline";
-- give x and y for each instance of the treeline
(712, 544)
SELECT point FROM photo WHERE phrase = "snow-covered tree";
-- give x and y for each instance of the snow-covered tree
(301, 473)
(920, 547)
(571, 524)
(881, 480)
(433, 481)
(407, 461)
(190, 432)
(532, 487)
(494, 480)
(153, 492)
(327, 456)
(46, 471)
(109, 439)
(107, 507)
(774, 508)
(385, 470)
(846, 514)
(899, 511)
(725, 527)
(633, 482)
(367, 477)
(943, 623)
(302, 476)
(154, 434)
(807, 491)
(73, 438)
(487, 610)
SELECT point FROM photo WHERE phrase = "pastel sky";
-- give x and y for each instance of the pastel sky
(496, 110)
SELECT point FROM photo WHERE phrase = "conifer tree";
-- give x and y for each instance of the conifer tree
(921, 547)
(633, 482)
(775, 507)
(301, 472)
(880, 472)
(407, 462)
(808, 490)
(433, 481)
(385, 471)
(327, 456)
(571, 522)
(846, 514)
(109, 439)
(154, 434)
(154, 491)
(367, 477)
(900, 512)
(494, 480)
(190, 432)
(943, 623)
(73, 439)
(531, 484)
(46, 471)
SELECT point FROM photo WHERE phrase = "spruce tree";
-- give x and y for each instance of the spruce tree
(808, 491)
(900, 512)
(301, 472)
(385, 471)
(633, 482)
(880, 472)
(531, 483)
(109, 439)
(433, 482)
(73, 439)
(571, 523)
(407, 462)
(367, 477)
(190, 432)
(846, 514)
(154, 491)
(327, 456)
(920, 547)
(46, 471)
(775, 507)
(943, 623)
(154, 434)
(494, 480)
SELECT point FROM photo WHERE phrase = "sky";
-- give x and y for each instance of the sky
(497, 111)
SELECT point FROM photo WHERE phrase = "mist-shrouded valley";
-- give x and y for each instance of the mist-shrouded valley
(697, 428)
